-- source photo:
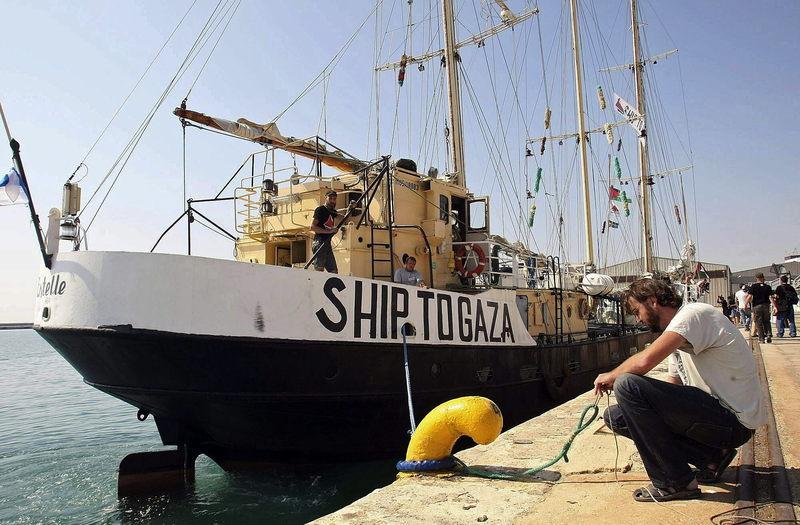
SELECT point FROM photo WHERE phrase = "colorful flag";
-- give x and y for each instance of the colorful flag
(614, 209)
(11, 191)
(613, 224)
(613, 193)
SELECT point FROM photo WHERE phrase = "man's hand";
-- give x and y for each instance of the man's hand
(604, 383)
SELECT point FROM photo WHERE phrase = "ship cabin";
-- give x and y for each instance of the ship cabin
(387, 211)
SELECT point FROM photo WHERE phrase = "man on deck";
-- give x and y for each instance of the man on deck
(407, 274)
(710, 406)
(323, 228)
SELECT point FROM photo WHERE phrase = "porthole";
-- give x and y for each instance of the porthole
(46, 313)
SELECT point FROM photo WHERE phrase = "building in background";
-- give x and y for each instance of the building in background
(790, 267)
(719, 275)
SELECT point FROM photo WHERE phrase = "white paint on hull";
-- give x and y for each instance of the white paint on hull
(196, 295)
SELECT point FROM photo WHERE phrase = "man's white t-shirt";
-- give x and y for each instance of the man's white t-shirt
(740, 296)
(717, 360)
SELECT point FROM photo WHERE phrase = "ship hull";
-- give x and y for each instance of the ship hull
(236, 399)
(253, 372)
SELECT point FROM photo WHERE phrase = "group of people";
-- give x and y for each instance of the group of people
(755, 303)
(324, 229)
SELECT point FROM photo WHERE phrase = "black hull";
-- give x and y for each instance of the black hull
(251, 399)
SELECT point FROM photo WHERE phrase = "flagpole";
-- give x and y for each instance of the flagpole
(46, 257)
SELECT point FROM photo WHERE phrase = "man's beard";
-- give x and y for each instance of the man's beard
(653, 322)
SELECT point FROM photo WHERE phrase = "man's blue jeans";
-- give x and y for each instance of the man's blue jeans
(745, 314)
(780, 317)
(672, 426)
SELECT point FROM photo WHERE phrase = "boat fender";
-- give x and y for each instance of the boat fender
(431, 445)
(468, 252)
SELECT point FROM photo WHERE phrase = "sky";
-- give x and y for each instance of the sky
(67, 67)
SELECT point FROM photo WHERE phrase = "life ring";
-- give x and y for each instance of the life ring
(469, 260)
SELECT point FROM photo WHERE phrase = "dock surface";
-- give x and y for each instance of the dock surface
(596, 485)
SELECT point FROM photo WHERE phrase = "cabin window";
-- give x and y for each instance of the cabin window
(478, 210)
(444, 208)
(522, 306)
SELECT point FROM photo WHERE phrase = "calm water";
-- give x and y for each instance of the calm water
(61, 443)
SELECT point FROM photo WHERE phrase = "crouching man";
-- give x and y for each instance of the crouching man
(710, 406)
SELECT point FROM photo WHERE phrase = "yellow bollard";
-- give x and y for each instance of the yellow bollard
(473, 416)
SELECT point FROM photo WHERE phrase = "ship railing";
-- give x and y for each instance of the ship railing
(261, 166)
(504, 265)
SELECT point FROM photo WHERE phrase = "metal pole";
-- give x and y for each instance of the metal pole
(46, 257)
(582, 135)
(644, 169)
(453, 94)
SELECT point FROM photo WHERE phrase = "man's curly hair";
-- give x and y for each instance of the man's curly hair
(643, 289)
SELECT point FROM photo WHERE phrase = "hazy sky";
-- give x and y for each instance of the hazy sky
(67, 66)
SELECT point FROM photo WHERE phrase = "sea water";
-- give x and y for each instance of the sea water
(61, 442)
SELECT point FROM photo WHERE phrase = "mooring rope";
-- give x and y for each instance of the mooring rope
(579, 427)
(408, 381)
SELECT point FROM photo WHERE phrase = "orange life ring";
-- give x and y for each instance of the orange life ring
(469, 253)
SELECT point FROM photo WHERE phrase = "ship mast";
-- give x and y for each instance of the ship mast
(451, 60)
(645, 181)
(582, 135)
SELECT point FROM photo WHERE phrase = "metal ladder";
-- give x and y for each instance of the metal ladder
(558, 293)
(389, 246)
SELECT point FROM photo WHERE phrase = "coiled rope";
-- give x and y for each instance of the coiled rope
(582, 425)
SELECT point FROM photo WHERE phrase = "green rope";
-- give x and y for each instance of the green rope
(580, 427)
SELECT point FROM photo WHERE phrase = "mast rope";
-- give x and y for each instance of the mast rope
(128, 96)
(130, 147)
(330, 66)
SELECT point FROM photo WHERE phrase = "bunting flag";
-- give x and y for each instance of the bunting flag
(603, 229)
(538, 180)
(11, 190)
(618, 169)
(613, 193)
(614, 209)
(613, 224)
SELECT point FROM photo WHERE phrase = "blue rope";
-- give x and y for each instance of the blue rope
(408, 381)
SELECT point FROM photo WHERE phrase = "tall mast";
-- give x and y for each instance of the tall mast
(644, 170)
(576, 53)
(453, 94)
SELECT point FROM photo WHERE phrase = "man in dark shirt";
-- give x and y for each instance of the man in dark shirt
(760, 293)
(785, 299)
(323, 228)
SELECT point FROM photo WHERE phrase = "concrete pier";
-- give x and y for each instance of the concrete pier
(595, 486)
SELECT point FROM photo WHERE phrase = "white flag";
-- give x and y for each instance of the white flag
(634, 118)
(11, 190)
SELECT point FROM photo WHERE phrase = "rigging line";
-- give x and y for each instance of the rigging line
(331, 64)
(146, 120)
(214, 47)
(483, 127)
(134, 141)
(139, 81)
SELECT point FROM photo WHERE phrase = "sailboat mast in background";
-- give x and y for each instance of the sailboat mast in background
(644, 174)
(453, 95)
(582, 135)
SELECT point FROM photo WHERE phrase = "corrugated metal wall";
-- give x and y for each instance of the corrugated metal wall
(626, 272)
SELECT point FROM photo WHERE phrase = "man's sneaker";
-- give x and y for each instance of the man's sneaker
(769, 339)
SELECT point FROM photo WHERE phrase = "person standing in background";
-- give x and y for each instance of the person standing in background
(783, 301)
(759, 299)
(744, 308)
